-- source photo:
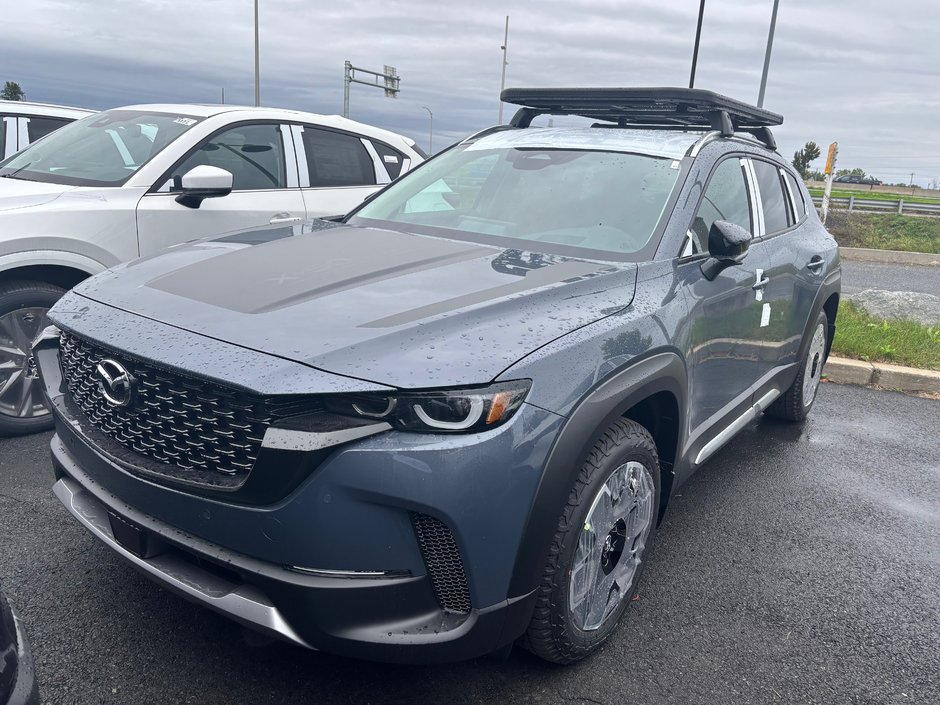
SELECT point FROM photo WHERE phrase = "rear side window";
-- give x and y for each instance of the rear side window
(337, 159)
(39, 127)
(797, 196)
(725, 199)
(392, 159)
(254, 154)
(771, 196)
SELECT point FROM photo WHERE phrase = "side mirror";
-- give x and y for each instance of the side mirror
(203, 182)
(727, 246)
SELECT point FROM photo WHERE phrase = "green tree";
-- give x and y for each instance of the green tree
(851, 172)
(804, 157)
(12, 91)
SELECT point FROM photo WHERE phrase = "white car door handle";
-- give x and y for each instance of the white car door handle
(282, 218)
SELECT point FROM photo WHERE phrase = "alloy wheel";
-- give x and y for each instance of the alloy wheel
(20, 390)
(610, 546)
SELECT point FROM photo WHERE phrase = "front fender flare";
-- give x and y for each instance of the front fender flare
(608, 401)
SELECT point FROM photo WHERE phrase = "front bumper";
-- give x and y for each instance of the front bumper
(385, 619)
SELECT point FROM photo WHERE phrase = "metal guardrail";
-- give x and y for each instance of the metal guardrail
(897, 206)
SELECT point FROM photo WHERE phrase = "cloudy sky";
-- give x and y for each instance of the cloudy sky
(865, 73)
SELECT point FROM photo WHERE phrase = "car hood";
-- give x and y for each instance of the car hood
(384, 306)
(19, 193)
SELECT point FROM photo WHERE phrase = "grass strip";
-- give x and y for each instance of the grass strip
(875, 196)
(864, 337)
(885, 231)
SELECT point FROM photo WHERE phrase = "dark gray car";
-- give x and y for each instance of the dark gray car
(457, 417)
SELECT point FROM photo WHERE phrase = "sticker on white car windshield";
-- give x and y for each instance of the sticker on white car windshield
(189, 122)
(390, 159)
(674, 165)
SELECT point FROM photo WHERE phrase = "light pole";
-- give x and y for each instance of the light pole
(257, 62)
(502, 82)
(770, 45)
(430, 130)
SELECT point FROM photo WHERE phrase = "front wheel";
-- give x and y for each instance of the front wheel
(796, 403)
(603, 537)
(23, 308)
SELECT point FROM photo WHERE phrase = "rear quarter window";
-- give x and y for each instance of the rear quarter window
(798, 201)
(771, 196)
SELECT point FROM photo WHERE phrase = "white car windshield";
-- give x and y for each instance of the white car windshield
(100, 150)
(566, 200)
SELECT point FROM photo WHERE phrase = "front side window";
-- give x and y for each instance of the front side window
(771, 196)
(725, 199)
(101, 150)
(253, 154)
(39, 127)
(337, 159)
(541, 199)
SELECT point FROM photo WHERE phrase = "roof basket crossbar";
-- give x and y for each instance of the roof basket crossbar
(650, 108)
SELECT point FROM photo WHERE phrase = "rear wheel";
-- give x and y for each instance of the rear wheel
(23, 308)
(598, 552)
(796, 403)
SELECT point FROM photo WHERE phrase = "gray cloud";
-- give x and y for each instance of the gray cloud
(865, 74)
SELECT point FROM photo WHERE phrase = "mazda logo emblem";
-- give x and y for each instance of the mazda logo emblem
(115, 382)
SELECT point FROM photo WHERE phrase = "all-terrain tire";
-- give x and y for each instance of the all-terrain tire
(796, 403)
(552, 633)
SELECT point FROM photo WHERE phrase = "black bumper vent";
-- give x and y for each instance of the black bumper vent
(442, 558)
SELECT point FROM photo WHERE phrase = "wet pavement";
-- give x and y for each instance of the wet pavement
(800, 565)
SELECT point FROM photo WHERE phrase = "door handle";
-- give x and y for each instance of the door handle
(282, 218)
(815, 264)
(761, 283)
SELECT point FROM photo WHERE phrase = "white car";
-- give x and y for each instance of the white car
(132, 181)
(22, 123)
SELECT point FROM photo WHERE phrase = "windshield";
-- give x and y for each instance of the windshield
(606, 202)
(100, 150)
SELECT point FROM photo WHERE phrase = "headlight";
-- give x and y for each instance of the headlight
(448, 411)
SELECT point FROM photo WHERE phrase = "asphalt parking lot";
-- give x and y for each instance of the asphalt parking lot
(801, 565)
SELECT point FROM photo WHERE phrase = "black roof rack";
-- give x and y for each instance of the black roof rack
(662, 108)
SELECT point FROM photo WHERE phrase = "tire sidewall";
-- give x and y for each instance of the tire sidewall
(823, 320)
(589, 640)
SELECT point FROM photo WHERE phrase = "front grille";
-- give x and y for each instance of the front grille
(442, 558)
(201, 431)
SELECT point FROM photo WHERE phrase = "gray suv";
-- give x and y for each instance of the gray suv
(455, 419)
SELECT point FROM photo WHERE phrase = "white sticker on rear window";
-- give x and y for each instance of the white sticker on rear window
(189, 122)
(765, 316)
(674, 165)
(390, 159)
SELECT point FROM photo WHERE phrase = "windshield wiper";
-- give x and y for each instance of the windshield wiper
(13, 174)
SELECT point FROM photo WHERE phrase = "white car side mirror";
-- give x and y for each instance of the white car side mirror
(203, 182)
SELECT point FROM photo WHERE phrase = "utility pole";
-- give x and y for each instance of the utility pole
(698, 37)
(389, 76)
(430, 131)
(770, 45)
(912, 179)
(502, 82)
(257, 61)
(223, 95)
